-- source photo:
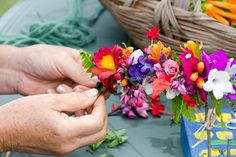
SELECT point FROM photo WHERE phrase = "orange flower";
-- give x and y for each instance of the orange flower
(156, 50)
(127, 51)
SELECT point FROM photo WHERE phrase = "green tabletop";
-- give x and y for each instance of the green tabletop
(151, 137)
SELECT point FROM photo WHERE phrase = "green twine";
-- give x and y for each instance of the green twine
(72, 32)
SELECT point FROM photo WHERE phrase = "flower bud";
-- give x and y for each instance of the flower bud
(200, 82)
(139, 104)
(200, 67)
(194, 76)
(117, 76)
(124, 82)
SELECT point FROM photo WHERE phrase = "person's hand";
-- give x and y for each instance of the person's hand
(43, 67)
(40, 124)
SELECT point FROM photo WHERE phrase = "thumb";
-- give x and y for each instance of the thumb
(72, 102)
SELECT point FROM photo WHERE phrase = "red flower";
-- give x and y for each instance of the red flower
(153, 33)
(190, 102)
(157, 109)
(107, 60)
(158, 86)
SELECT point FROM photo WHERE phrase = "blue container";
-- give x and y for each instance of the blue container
(219, 143)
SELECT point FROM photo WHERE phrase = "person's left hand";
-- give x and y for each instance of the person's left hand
(44, 67)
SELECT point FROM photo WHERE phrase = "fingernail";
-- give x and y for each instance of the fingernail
(91, 92)
(95, 78)
(61, 89)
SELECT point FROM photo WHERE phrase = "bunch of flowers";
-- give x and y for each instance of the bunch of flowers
(142, 75)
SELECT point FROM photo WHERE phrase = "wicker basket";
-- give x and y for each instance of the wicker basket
(177, 24)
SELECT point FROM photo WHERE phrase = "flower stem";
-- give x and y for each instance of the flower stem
(114, 112)
(167, 113)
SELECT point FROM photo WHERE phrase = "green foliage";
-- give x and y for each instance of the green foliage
(198, 99)
(198, 51)
(112, 140)
(106, 155)
(87, 59)
(175, 57)
(179, 108)
(217, 104)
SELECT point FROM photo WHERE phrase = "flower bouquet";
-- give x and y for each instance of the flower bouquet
(191, 80)
(142, 75)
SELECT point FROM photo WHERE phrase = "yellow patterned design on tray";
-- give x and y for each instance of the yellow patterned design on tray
(202, 135)
(214, 152)
(232, 152)
(225, 116)
(223, 135)
(199, 117)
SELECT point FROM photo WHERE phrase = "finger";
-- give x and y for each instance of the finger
(73, 68)
(51, 91)
(92, 139)
(92, 123)
(62, 89)
(80, 88)
(72, 102)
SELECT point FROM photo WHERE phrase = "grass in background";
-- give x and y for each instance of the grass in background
(5, 5)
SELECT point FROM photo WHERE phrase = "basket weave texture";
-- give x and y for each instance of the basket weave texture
(176, 23)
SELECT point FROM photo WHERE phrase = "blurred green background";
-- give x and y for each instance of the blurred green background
(5, 5)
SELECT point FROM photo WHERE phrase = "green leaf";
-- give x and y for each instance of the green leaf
(113, 143)
(217, 104)
(123, 139)
(189, 113)
(197, 98)
(103, 155)
(198, 51)
(177, 107)
(106, 155)
(87, 59)
(121, 132)
(175, 57)
(114, 138)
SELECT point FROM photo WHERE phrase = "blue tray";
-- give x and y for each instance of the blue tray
(188, 139)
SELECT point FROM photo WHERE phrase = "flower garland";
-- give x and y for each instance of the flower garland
(142, 75)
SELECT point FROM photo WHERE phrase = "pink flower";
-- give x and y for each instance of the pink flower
(170, 67)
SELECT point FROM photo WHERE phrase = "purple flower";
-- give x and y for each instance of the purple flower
(217, 60)
(128, 111)
(231, 96)
(191, 90)
(145, 65)
(140, 70)
(163, 58)
(134, 100)
(179, 85)
(135, 74)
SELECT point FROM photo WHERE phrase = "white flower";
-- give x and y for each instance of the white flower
(135, 55)
(171, 94)
(147, 86)
(219, 83)
(231, 69)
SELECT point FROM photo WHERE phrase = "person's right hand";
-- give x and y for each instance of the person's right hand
(40, 124)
